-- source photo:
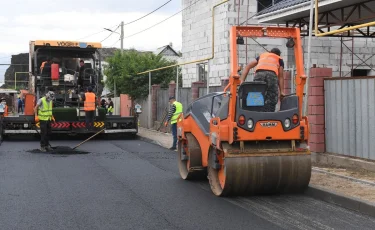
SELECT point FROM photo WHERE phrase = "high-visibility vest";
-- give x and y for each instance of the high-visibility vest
(45, 114)
(269, 61)
(110, 109)
(89, 104)
(177, 112)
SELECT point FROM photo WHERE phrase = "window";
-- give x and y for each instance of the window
(362, 72)
(263, 4)
(202, 71)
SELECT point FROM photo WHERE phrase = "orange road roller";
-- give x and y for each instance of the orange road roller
(227, 138)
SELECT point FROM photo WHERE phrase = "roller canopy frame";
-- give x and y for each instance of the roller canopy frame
(270, 32)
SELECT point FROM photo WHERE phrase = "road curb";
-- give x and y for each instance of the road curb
(146, 139)
(155, 131)
(342, 200)
(344, 177)
(342, 161)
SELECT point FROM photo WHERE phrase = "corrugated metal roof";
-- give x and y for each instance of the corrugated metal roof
(282, 5)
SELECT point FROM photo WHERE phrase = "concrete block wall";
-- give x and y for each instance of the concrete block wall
(325, 52)
(197, 38)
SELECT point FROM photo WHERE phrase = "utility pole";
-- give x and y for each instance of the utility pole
(149, 101)
(122, 51)
(122, 37)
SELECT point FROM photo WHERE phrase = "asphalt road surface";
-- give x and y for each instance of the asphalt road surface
(132, 184)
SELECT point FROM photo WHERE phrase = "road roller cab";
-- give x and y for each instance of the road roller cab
(243, 149)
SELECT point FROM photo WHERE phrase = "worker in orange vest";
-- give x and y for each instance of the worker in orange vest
(48, 61)
(90, 103)
(270, 69)
(3, 107)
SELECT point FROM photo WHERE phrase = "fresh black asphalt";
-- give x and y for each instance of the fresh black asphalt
(132, 184)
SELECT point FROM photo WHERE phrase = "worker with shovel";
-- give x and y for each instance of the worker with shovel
(43, 113)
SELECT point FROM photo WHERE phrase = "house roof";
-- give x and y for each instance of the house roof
(289, 10)
(282, 5)
(332, 14)
(161, 50)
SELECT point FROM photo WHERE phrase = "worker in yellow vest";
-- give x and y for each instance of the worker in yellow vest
(174, 111)
(110, 106)
(90, 102)
(43, 114)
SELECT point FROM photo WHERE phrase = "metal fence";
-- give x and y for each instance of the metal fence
(350, 116)
(162, 103)
(184, 96)
(143, 117)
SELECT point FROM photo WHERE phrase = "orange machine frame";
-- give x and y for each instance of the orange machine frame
(224, 129)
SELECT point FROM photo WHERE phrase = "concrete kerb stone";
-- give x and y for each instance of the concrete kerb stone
(147, 139)
(155, 132)
(361, 206)
(344, 177)
(342, 161)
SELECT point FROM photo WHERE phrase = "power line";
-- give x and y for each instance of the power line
(115, 43)
(91, 35)
(127, 22)
(161, 21)
(148, 13)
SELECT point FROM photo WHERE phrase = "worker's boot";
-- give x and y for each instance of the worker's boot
(43, 149)
(49, 149)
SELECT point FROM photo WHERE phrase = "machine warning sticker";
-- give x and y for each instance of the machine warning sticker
(254, 99)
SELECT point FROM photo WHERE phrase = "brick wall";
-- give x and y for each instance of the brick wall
(316, 112)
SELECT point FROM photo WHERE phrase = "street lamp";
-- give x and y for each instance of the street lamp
(112, 31)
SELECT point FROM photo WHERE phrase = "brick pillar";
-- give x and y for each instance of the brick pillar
(287, 82)
(154, 99)
(224, 83)
(316, 111)
(195, 89)
(172, 89)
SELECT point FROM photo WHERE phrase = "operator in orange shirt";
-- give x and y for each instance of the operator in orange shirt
(269, 69)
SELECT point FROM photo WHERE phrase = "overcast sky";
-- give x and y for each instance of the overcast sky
(25, 20)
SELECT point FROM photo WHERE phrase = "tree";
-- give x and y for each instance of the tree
(124, 68)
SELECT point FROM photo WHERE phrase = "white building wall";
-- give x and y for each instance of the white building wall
(325, 52)
(197, 39)
(196, 42)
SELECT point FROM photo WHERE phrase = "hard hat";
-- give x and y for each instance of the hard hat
(50, 95)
